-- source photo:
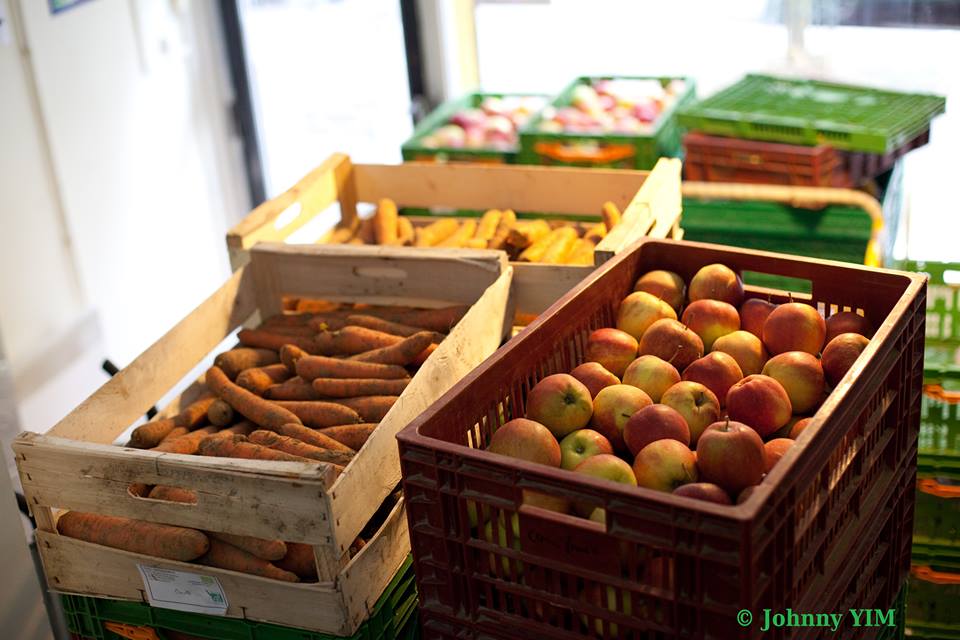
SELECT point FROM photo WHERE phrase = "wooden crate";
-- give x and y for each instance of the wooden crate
(76, 466)
(650, 202)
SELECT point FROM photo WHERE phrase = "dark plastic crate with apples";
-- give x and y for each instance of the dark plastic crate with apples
(829, 528)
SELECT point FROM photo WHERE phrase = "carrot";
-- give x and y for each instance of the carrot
(262, 548)
(136, 536)
(385, 222)
(295, 447)
(309, 305)
(312, 367)
(328, 322)
(300, 561)
(289, 354)
(611, 215)
(563, 239)
(338, 452)
(342, 233)
(441, 319)
(236, 360)
(526, 232)
(350, 435)
(219, 413)
(287, 320)
(318, 414)
(353, 387)
(507, 219)
(435, 232)
(295, 388)
(152, 433)
(186, 444)
(195, 412)
(386, 326)
(405, 232)
(580, 253)
(236, 446)
(298, 331)
(476, 243)
(243, 428)
(252, 407)
(423, 355)
(351, 340)
(138, 489)
(488, 225)
(596, 233)
(227, 556)
(175, 433)
(366, 231)
(258, 379)
(173, 494)
(401, 353)
(265, 339)
(370, 408)
(460, 236)
(535, 250)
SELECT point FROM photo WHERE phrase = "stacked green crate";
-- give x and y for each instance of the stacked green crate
(639, 150)
(933, 595)
(394, 617)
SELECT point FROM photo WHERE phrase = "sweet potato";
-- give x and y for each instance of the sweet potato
(354, 387)
(259, 379)
(350, 435)
(318, 414)
(580, 253)
(173, 494)
(401, 353)
(563, 239)
(296, 388)
(459, 237)
(219, 413)
(289, 354)
(405, 232)
(136, 536)
(611, 215)
(152, 433)
(291, 445)
(312, 367)
(488, 225)
(227, 556)
(265, 339)
(338, 453)
(370, 408)
(435, 232)
(300, 561)
(507, 219)
(252, 407)
(236, 446)
(385, 222)
(262, 548)
(351, 340)
(386, 326)
(236, 360)
(186, 444)
(526, 232)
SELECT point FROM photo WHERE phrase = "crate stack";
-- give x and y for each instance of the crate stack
(934, 586)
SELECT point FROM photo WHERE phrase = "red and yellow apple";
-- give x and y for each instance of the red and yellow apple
(744, 347)
(607, 467)
(794, 326)
(716, 282)
(710, 319)
(773, 451)
(639, 310)
(579, 445)
(798, 427)
(706, 491)
(651, 374)
(696, 403)
(652, 423)
(760, 402)
(671, 341)
(665, 285)
(664, 465)
(801, 376)
(847, 322)
(716, 371)
(730, 455)
(526, 440)
(840, 354)
(753, 314)
(612, 407)
(561, 403)
(612, 348)
(594, 377)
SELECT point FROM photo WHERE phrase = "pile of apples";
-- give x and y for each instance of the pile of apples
(626, 106)
(697, 391)
(492, 125)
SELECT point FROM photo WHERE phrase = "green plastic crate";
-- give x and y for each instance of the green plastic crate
(932, 608)
(942, 349)
(392, 618)
(938, 447)
(937, 510)
(810, 112)
(413, 149)
(900, 606)
(665, 140)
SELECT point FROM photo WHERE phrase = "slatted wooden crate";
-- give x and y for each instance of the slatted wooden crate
(76, 465)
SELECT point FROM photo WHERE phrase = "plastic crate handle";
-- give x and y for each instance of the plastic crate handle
(934, 488)
(928, 574)
(937, 392)
(565, 153)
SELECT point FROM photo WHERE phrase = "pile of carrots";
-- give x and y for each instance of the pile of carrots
(524, 240)
(305, 386)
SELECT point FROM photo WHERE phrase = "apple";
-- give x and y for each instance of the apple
(665, 285)
(794, 326)
(561, 403)
(730, 454)
(612, 348)
(639, 310)
(744, 347)
(594, 377)
(840, 354)
(664, 465)
(612, 407)
(801, 376)
(717, 371)
(847, 322)
(745, 494)
(753, 314)
(607, 467)
(761, 402)
(670, 340)
(711, 319)
(773, 451)
(716, 282)
(652, 423)
(652, 375)
(799, 427)
(526, 440)
(579, 445)
(706, 491)
(696, 403)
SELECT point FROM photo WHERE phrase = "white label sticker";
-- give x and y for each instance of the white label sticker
(183, 591)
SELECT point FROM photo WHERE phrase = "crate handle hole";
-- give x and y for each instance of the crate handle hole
(287, 216)
(951, 277)
(169, 494)
(390, 273)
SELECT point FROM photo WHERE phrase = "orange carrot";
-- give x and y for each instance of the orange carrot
(340, 452)
(317, 414)
(236, 360)
(173, 494)
(401, 353)
(220, 413)
(186, 444)
(435, 232)
(487, 226)
(423, 355)
(295, 447)
(262, 548)
(227, 556)
(256, 409)
(460, 237)
(289, 354)
(580, 253)
(431, 319)
(354, 387)
(405, 231)
(194, 413)
(300, 560)
(136, 536)
(328, 322)
(386, 326)
(611, 215)
(268, 340)
(385, 222)
(370, 408)
(152, 433)
(295, 388)
(351, 340)
(258, 379)
(236, 446)
(596, 233)
(508, 218)
(350, 435)
(287, 320)
(312, 367)
(175, 433)
(243, 428)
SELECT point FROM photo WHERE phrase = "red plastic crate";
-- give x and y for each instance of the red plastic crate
(829, 527)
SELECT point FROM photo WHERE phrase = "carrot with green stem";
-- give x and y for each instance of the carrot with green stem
(354, 387)
(401, 353)
(252, 407)
(312, 367)
(318, 413)
(226, 556)
(236, 360)
(136, 536)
